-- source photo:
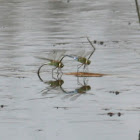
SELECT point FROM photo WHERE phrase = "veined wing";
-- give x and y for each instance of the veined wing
(87, 53)
(84, 53)
(52, 55)
(59, 54)
(55, 55)
(43, 58)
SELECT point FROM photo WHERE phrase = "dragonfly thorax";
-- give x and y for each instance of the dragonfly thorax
(84, 60)
(56, 83)
(83, 89)
(56, 64)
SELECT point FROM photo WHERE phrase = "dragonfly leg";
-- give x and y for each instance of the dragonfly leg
(58, 75)
(85, 69)
(79, 66)
(59, 72)
(78, 81)
(38, 72)
(52, 72)
(85, 80)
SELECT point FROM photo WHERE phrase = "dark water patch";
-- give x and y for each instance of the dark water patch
(3, 106)
(39, 130)
(112, 114)
(60, 107)
(114, 92)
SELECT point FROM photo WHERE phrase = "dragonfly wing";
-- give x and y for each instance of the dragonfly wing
(43, 58)
(81, 53)
(52, 55)
(59, 55)
(84, 53)
(87, 53)
(78, 54)
(55, 55)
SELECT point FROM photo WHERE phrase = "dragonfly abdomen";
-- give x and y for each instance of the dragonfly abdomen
(72, 56)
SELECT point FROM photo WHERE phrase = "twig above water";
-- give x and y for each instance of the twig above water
(92, 46)
(137, 8)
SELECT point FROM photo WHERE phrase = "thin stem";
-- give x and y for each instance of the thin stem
(92, 46)
(138, 11)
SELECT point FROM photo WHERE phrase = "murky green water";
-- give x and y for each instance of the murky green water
(109, 110)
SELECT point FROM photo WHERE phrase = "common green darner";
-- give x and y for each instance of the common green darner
(53, 85)
(83, 89)
(82, 56)
(56, 85)
(55, 59)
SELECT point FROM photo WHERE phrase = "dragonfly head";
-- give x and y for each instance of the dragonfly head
(88, 88)
(61, 65)
(88, 62)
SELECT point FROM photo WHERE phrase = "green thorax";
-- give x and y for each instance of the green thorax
(83, 60)
(56, 64)
(83, 89)
(56, 83)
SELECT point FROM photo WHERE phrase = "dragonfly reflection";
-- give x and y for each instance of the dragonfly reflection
(55, 59)
(82, 57)
(83, 89)
(53, 85)
(56, 85)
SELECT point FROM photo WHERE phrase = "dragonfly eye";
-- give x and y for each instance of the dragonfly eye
(61, 65)
(88, 62)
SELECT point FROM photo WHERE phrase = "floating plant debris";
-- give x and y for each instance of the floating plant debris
(85, 74)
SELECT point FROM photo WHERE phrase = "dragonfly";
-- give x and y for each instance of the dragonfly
(83, 89)
(55, 59)
(53, 85)
(82, 59)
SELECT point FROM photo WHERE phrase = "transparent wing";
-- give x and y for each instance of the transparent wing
(81, 53)
(42, 58)
(84, 53)
(59, 54)
(52, 55)
(56, 55)
(87, 53)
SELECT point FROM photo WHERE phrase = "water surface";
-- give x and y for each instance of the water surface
(109, 110)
